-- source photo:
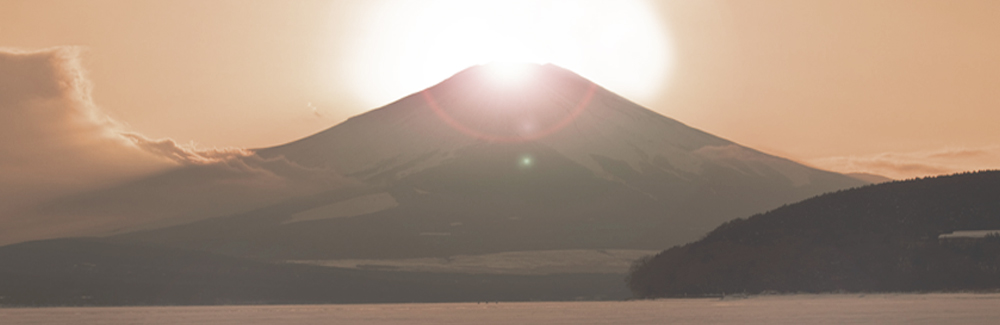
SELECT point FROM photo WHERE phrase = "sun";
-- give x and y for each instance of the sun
(408, 45)
(506, 73)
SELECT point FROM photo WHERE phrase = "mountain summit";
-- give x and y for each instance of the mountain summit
(478, 165)
(547, 105)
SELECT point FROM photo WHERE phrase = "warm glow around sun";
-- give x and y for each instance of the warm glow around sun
(407, 46)
(509, 73)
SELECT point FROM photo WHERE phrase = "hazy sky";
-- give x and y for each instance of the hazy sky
(901, 88)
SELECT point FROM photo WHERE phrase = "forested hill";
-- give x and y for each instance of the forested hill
(875, 238)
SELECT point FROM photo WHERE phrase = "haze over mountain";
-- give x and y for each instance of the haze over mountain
(477, 165)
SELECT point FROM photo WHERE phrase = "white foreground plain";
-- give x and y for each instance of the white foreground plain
(958, 308)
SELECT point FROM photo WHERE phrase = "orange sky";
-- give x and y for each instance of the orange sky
(901, 88)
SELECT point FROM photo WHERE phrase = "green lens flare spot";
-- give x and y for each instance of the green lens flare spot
(525, 161)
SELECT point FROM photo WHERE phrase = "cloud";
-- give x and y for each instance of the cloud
(964, 153)
(169, 149)
(55, 141)
(915, 164)
(69, 169)
(231, 161)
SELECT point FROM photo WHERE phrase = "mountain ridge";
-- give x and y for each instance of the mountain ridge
(473, 166)
(568, 90)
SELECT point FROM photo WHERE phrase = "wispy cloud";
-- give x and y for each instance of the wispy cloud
(234, 160)
(904, 165)
(52, 137)
(185, 155)
(69, 169)
(55, 140)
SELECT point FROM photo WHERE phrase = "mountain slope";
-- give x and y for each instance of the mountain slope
(173, 197)
(877, 238)
(553, 107)
(474, 166)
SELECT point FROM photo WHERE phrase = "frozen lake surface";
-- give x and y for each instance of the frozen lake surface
(782, 309)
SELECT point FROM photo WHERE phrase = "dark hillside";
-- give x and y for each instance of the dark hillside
(93, 272)
(875, 238)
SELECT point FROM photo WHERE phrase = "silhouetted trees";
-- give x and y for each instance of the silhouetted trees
(877, 238)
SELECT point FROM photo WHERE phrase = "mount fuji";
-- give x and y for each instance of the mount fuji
(477, 165)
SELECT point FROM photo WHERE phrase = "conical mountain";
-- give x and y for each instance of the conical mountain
(547, 106)
(479, 164)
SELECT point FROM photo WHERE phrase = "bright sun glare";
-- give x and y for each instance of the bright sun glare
(409, 45)
(508, 73)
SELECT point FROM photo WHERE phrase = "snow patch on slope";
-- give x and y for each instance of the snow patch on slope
(609, 261)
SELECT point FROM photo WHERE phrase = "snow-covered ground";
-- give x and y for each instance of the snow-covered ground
(530, 262)
(791, 309)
